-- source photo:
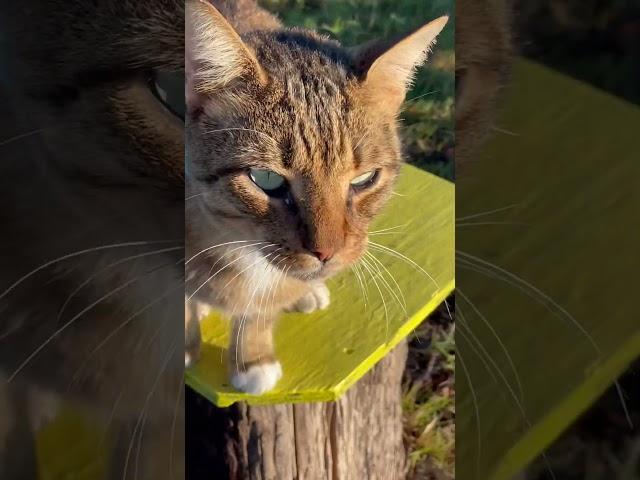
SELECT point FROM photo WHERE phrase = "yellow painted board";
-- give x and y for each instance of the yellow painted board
(71, 448)
(566, 158)
(324, 353)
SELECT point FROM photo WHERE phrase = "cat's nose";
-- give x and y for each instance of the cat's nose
(323, 254)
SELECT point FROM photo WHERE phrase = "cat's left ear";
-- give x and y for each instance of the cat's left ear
(386, 69)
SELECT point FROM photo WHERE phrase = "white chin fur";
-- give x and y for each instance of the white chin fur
(258, 379)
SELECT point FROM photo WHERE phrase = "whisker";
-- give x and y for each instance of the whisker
(411, 100)
(504, 379)
(403, 303)
(506, 132)
(129, 319)
(145, 405)
(76, 254)
(359, 142)
(483, 224)
(226, 266)
(254, 263)
(394, 253)
(360, 269)
(473, 347)
(384, 303)
(371, 234)
(74, 318)
(483, 214)
(111, 265)
(274, 292)
(21, 136)
(268, 268)
(544, 300)
(243, 320)
(523, 285)
(229, 252)
(13, 329)
(360, 284)
(390, 228)
(220, 245)
(112, 415)
(499, 340)
(194, 196)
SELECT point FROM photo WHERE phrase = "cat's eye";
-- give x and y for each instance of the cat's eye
(365, 180)
(270, 182)
(168, 88)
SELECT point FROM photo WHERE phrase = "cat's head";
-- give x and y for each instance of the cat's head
(291, 138)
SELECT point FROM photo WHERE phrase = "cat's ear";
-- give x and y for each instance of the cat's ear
(215, 55)
(387, 69)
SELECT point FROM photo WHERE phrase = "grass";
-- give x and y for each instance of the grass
(428, 134)
(429, 398)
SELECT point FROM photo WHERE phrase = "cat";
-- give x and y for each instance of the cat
(292, 147)
(92, 168)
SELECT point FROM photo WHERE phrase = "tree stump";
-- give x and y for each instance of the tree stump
(358, 437)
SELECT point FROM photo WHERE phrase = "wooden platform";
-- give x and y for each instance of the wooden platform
(565, 157)
(323, 354)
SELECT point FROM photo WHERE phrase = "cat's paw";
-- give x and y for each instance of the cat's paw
(258, 379)
(191, 356)
(318, 298)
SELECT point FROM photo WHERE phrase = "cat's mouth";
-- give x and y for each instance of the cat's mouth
(309, 269)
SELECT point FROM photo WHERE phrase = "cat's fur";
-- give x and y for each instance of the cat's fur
(299, 104)
(89, 157)
(484, 51)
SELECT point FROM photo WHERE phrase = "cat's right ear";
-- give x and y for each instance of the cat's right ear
(215, 57)
(386, 69)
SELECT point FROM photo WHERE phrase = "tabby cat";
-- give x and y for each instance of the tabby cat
(92, 195)
(292, 148)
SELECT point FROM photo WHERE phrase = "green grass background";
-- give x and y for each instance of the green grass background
(428, 134)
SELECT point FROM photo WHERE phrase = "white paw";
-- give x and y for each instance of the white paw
(192, 349)
(203, 310)
(258, 379)
(43, 408)
(318, 298)
(189, 360)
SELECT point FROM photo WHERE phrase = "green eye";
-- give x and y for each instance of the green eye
(365, 180)
(269, 181)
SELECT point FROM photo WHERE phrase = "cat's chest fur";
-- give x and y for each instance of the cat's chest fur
(244, 285)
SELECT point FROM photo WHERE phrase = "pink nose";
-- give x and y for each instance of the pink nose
(323, 254)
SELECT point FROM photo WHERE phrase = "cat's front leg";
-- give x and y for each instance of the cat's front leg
(194, 312)
(316, 298)
(253, 366)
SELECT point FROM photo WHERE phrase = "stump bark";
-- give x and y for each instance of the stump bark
(358, 437)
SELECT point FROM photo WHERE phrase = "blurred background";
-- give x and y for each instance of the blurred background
(597, 42)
